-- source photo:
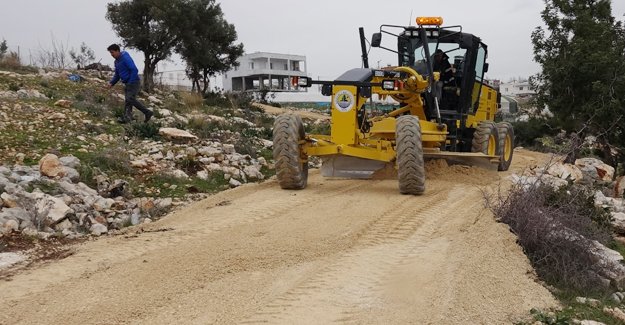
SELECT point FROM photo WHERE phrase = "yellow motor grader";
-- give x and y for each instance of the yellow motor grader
(450, 119)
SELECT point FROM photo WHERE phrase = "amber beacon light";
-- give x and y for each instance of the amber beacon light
(437, 21)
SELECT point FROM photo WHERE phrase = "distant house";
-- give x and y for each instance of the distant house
(264, 70)
(516, 89)
(176, 79)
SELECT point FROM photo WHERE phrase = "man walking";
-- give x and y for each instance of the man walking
(127, 72)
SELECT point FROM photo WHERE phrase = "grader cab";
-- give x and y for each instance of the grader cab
(445, 113)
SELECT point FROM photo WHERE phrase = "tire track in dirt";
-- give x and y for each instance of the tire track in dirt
(356, 278)
(241, 207)
(347, 251)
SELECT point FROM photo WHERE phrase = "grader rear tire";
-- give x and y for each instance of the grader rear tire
(506, 145)
(486, 139)
(410, 165)
(291, 169)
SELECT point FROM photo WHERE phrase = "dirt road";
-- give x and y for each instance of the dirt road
(346, 251)
(303, 113)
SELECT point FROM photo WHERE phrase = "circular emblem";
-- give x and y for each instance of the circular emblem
(344, 101)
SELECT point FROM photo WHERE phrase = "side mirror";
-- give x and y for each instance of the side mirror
(301, 81)
(376, 39)
(485, 67)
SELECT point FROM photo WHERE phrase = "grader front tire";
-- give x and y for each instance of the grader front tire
(506, 145)
(410, 165)
(291, 169)
(486, 139)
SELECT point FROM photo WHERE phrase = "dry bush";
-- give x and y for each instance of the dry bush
(57, 56)
(240, 100)
(545, 221)
(203, 128)
(11, 61)
(192, 100)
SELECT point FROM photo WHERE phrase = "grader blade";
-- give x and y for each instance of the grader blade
(350, 167)
(464, 158)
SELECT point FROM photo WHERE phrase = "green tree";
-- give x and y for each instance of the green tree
(582, 54)
(146, 26)
(207, 42)
(83, 57)
(3, 48)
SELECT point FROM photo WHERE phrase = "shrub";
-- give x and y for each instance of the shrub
(202, 128)
(192, 101)
(245, 146)
(240, 99)
(113, 161)
(215, 99)
(189, 165)
(264, 96)
(45, 186)
(94, 110)
(11, 61)
(321, 127)
(142, 130)
(544, 219)
(118, 111)
(527, 133)
(79, 96)
(263, 133)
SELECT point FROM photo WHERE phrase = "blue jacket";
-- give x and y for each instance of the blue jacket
(125, 69)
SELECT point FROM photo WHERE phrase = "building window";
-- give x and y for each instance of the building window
(270, 65)
(251, 65)
(520, 88)
(286, 66)
(507, 90)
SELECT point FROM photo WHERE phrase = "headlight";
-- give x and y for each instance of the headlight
(388, 84)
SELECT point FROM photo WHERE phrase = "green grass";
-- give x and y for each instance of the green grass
(161, 185)
(618, 246)
(575, 310)
(113, 161)
(142, 130)
(202, 128)
(50, 188)
(268, 155)
(322, 128)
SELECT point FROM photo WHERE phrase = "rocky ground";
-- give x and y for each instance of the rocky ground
(68, 170)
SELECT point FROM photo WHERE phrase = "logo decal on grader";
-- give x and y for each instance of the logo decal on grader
(344, 101)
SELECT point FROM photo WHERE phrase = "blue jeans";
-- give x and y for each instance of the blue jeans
(131, 91)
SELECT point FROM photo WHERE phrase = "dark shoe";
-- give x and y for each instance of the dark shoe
(122, 121)
(148, 116)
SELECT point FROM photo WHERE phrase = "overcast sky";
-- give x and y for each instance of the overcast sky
(325, 31)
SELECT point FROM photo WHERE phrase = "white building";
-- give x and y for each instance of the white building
(176, 79)
(516, 88)
(263, 70)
